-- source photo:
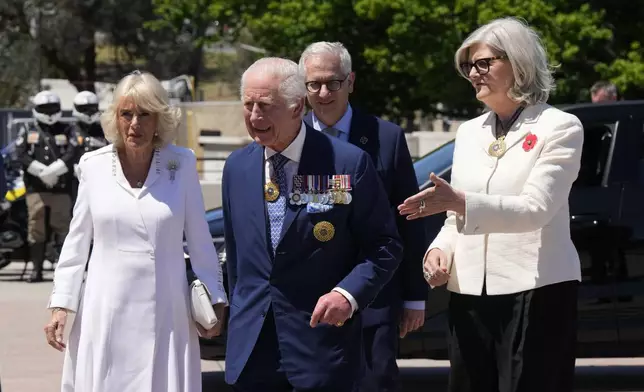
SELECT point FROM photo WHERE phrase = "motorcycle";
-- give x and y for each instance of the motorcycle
(14, 217)
(13, 212)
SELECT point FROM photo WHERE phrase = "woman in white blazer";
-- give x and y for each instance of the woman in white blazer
(505, 250)
(132, 330)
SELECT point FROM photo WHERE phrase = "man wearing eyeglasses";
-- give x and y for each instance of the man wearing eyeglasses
(400, 307)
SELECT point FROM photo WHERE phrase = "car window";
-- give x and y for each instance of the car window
(438, 161)
(594, 156)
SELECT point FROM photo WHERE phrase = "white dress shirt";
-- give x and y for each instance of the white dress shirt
(294, 152)
(344, 128)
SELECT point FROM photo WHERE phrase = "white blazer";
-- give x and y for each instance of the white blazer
(516, 229)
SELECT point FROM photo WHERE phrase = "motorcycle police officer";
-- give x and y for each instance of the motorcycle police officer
(47, 154)
(87, 130)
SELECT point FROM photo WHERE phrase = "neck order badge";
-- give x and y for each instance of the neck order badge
(497, 148)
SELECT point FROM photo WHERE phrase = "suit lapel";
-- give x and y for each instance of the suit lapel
(119, 177)
(521, 127)
(364, 134)
(357, 132)
(489, 129)
(254, 177)
(157, 167)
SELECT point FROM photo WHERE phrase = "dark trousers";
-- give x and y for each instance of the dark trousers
(523, 342)
(380, 348)
(263, 371)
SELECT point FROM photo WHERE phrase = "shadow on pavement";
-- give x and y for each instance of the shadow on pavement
(589, 378)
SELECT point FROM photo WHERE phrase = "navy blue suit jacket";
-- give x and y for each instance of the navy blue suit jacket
(361, 258)
(386, 145)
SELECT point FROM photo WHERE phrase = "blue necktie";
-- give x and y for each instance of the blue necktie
(332, 131)
(277, 208)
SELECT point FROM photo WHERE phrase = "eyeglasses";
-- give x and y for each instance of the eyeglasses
(331, 85)
(482, 65)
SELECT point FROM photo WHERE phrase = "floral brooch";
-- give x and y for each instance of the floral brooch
(529, 142)
(173, 166)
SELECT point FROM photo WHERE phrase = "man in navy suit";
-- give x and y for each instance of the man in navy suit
(310, 241)
(399, 307)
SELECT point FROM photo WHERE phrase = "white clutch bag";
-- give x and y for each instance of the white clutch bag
(201, 305)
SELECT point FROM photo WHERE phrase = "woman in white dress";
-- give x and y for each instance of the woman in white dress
(132, 330)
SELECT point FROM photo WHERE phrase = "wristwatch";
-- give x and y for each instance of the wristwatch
(54, 310)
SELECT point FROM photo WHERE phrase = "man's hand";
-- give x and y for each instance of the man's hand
(332, 308)
(216, 330)
(411, 320)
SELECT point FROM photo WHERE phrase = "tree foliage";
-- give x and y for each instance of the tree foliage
(403, 50)
(197, 23)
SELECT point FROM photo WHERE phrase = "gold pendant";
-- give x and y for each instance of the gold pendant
(497, 148)
(271, 191)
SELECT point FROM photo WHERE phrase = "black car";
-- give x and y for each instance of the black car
(607, 227)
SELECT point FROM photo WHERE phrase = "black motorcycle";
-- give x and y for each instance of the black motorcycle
(14, 216)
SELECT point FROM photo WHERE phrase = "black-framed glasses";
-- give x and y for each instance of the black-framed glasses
(331, 85)
(482, 65)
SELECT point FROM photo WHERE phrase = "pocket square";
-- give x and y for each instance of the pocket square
(316, 208)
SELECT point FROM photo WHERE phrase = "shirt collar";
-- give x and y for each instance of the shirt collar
(294, 150)
(343, 125)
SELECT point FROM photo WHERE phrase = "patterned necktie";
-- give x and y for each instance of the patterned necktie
(331, 131)
(277, 208)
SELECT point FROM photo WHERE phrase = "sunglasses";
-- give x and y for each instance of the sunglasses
(482, 65)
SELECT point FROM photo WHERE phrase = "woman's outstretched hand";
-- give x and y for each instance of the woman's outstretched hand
(439, 198)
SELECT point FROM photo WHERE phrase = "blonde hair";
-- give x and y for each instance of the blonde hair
(510, 36)
(148, 94)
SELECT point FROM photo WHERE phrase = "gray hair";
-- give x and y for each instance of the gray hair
(148, 94)
(292, 87)
(533, 80)
(608, 87)
(323, 47)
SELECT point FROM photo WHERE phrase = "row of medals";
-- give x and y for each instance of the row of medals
(317, 190)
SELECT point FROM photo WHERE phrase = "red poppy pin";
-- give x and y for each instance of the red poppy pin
(529, 142)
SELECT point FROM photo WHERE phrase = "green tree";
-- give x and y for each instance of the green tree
(403, 50)
(624, 54)
(197, 23)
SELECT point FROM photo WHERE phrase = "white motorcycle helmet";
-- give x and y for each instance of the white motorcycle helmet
(86, 107)
(47, 108)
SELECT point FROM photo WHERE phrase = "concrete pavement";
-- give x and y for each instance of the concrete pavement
(28, 364)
